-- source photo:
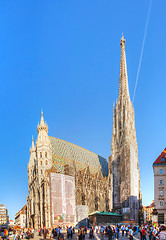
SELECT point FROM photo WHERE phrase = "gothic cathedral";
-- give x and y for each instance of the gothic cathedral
(123, 163)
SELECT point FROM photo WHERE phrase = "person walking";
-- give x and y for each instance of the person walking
(50, 233)
(14, 235)
(154, 233)
(45, 232)
(102, 232)
(127, 230)
(163, 233)
(123, 229)
(117, 232)
(131, 233)
(150, 233)
(22, 234)
(83, 233)
(143, 231)
(79, 234)
(109, 233)
(70, 235)
(91, 233)
(61, 236)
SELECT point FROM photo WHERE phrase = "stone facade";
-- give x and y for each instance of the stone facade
(123, 163)
(52, 155)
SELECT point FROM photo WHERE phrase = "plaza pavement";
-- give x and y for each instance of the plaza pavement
(75, 237)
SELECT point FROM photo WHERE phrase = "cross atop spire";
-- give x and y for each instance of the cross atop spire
(123, 78)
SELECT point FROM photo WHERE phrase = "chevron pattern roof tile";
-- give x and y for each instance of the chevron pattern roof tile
(66, 153)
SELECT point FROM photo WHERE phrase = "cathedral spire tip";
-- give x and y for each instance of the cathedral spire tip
(42, 125)
(123, 78)
(122, 41)
(33, 145)
(42, 119)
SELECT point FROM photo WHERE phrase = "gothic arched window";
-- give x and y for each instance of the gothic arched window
(46, 162)
(41, 171)
(46, 154)
(41, 163)
(40, 154)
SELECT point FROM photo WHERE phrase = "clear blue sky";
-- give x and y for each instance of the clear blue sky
(63, 57)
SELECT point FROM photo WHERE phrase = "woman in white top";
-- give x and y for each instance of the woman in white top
(163, 233)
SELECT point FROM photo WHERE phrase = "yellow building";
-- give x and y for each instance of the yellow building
(148, 212)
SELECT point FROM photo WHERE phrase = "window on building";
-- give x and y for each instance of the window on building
(161, 218)
(161, 182)
(41, 154)
(161, 203)
(41, 171)
(161, 192)
(41, 163)
(161, 171)
(46, 162)
(162, 159)
(46, 154)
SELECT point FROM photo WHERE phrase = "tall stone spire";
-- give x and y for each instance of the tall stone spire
(123, 78)
(123, 163)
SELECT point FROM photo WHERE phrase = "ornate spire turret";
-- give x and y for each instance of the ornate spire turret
(42, 125)
(33, 145)
(123, 78)
(32, 149)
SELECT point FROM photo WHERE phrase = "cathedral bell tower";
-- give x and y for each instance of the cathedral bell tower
(123, 163)
(43, 149)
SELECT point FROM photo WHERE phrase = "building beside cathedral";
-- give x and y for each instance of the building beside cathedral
(159, 170)
(123, 163)
(65, 182)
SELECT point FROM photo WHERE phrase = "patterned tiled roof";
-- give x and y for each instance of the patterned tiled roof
(66, 153)
(161, 158)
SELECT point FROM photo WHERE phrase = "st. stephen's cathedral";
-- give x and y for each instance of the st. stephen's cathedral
(67, 182)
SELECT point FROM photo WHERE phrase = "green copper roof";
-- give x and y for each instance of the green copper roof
(105, 213)
(66, 153)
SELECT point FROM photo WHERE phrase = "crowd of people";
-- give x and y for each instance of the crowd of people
(146, 232)
(112, 232)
